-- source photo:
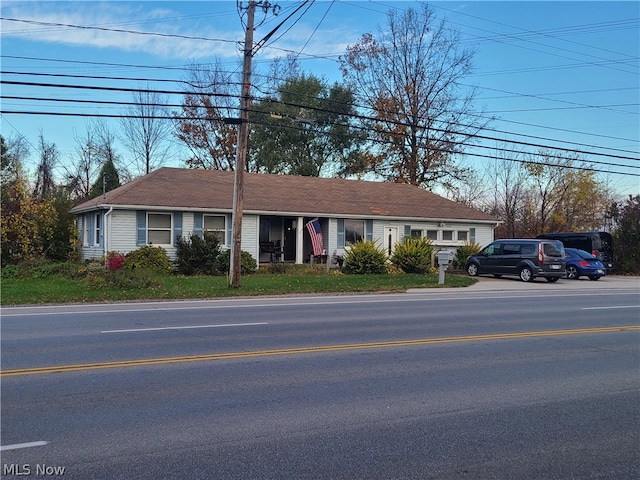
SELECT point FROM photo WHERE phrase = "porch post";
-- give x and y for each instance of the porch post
(300, 240)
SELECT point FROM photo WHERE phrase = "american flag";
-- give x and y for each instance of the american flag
(316, 236)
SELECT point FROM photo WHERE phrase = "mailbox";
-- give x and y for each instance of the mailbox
(444, 257)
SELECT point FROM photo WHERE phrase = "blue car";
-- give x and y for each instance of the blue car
(583, 264)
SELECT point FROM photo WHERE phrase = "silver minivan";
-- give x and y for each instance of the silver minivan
(524, 258)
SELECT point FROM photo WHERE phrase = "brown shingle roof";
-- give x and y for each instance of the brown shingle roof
(309, 196)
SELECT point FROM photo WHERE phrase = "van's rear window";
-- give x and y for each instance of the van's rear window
(551, 250)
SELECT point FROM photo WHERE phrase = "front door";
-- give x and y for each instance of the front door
(290, 225)
(390, 239)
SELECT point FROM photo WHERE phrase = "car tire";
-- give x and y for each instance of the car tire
(497, 275)
(572, 272)
(526, 275)
(594, 278)
(552, 279)
(472, 270)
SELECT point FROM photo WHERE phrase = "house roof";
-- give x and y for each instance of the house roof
(198, 189)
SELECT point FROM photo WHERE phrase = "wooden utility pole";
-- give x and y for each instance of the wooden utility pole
(241, 152)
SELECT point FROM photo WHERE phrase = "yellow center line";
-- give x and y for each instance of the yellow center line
(303, 350)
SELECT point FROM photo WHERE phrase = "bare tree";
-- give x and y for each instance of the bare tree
(147, 131)
(84, 166)
(409, 78)
(508, 181)
(49, 157)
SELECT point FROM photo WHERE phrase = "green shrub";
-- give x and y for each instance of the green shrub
(10, 271)
(150, 258)
(248, 264)
(413, 255)
(460, 258)
(364, 257)
(198, 255)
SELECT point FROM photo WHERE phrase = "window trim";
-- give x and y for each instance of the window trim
(169, 229)
(97, 229)
(364, 230)
(220, 233)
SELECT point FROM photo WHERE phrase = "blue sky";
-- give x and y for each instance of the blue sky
(562, 74)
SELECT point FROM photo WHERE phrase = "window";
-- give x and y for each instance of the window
(447, 235)
(493, 249)
(416, 233)
(85, 230)
(215, 224)
(353, 231)
(511, 249)
(98, 229)
(159, 228)
(432, 234)
(463, 235)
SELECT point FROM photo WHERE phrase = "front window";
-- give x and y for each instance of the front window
(215, 224)
(416, 233)
(432, 234)
(447, 235)
(159, 228)
(463, 236)
(353, 231)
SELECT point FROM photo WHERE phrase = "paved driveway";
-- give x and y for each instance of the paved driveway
(583, 283)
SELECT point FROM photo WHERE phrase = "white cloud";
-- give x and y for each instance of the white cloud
(45, 22)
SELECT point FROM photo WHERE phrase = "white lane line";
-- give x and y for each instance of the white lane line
(417, 295)
(609, 308)
(188, 327)
(17, 446)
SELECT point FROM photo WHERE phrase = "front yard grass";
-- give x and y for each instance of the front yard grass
(57, 289)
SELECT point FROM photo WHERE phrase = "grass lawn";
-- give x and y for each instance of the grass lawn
(57, 289)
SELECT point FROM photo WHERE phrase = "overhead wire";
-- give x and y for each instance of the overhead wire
(127, 31)
(183, 92)
(361, 117)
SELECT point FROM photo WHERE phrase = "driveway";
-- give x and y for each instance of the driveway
(582, 284)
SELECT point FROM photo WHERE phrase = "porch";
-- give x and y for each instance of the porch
(285, 239)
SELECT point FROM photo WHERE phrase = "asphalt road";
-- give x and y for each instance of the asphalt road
(502, 380)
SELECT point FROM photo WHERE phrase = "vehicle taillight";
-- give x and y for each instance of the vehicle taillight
(540, 254)
(594, 253)
(583, 264)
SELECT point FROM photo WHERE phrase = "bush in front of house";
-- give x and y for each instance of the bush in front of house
(460, 258)
(114, 261)
(364, 257)
(154, 259)
(413, 255)
(198, 255)
(248, 264)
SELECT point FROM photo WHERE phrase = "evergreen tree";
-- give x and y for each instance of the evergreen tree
(107, 180)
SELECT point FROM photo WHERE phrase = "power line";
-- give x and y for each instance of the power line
(172, 92)
(361, 117)
(118, 30)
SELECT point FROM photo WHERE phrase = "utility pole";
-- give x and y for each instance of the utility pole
(243, 136)
(241, 152)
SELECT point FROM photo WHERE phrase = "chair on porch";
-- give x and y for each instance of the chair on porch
(274, 249)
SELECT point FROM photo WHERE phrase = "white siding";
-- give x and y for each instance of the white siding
(122, 231)
(250, 233)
